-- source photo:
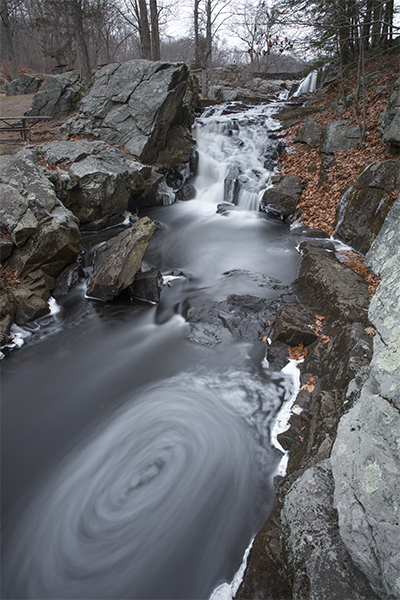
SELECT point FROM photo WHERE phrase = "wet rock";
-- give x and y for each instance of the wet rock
(309, 133)
(7, 311)
(57, 96)
(292, 325)
(187, 192)
(147, 286)
(320, 564)
(178, 148)
(232, 185)
(97, 181)
(338, 136)
(363, 208)
(281, 200)
(117, 261)
(66, 280)
(389, 119)
(31, 297)
(26, 84)
(133, 104)
(245, 317)
(332, 287)
(225, 207)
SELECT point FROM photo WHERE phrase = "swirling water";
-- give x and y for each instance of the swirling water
(137, 464)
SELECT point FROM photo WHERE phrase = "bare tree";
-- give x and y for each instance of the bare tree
(82, 51)
(155, 34)
(5, 20)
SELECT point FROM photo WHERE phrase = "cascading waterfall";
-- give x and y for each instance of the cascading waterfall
(308, 85)
(235, 152)
(137, 464)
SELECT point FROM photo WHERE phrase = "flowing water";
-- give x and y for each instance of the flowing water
(138, 464)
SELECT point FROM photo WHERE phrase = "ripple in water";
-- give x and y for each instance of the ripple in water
(153, 506)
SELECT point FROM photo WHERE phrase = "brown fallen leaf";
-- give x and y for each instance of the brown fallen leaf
(370, 330)
(310, 385)
(297, 352)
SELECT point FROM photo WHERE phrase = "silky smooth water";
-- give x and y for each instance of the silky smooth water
(136, 464)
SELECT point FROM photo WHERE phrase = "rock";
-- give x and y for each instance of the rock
(309, 133)
(117, 261)
(363, 208)
(225, 207)
(178, 148)
(383, 258)
(292, 325)
(97, 181)
(27, 84)
(6, 246)
(338, 136)
(32, 297)
(332, 287)
(320, 564)
(45, 232)
(66, 280)
(282, 199)
(187, 192)
(54, 244)
(245, 317)
(293, 114)
(389, 119)
(133, 104)
(57, 96)
(147, 286)
(7, 311)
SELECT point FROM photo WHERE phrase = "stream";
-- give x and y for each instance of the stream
(135, 462)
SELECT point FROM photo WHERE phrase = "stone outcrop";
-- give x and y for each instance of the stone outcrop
(43, 236)
(57, 96)
(389, 119)
(26, 84)
(133, 104)
(338, 136)
(117, 261)
(363, 208)
(309, 133)
(365, 457)
(281, 199)
(95, 180)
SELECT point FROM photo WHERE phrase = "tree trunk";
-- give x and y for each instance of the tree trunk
(144, 30)
(155, 34)
(207, 71)
(9, 39)
(197, 59)
(82, 51)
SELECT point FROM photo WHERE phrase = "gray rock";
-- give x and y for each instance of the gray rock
(282, 199)
(57, 96)
(97, 181)
(133, 104)
(338, 136)
(12, 206)
(26, 84)
(384, 311)
(7, 311)
(292, 325)
(147, 286)
(320, 563)
(309, 133)
(389, 119)
(332, 287)
(118, 261)
(6, 247)
(367, 488)
(187, 192)
(66, 280)
(363, 208)
(27, 224)
(31, 297)
(245, 317)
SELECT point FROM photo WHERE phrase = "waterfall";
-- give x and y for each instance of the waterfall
(237, 155)
(307, 85)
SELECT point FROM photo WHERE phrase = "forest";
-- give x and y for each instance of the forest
(51, 36)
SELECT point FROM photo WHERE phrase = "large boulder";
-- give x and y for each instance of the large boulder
(27, 84)
(331, 287)
(117, 262)
(40, 237)
(309, 133)
(133, 104)
(57, 96)
(281, 199)
(363, 208)
(339, 135)
(95, 180)
(389, 119)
